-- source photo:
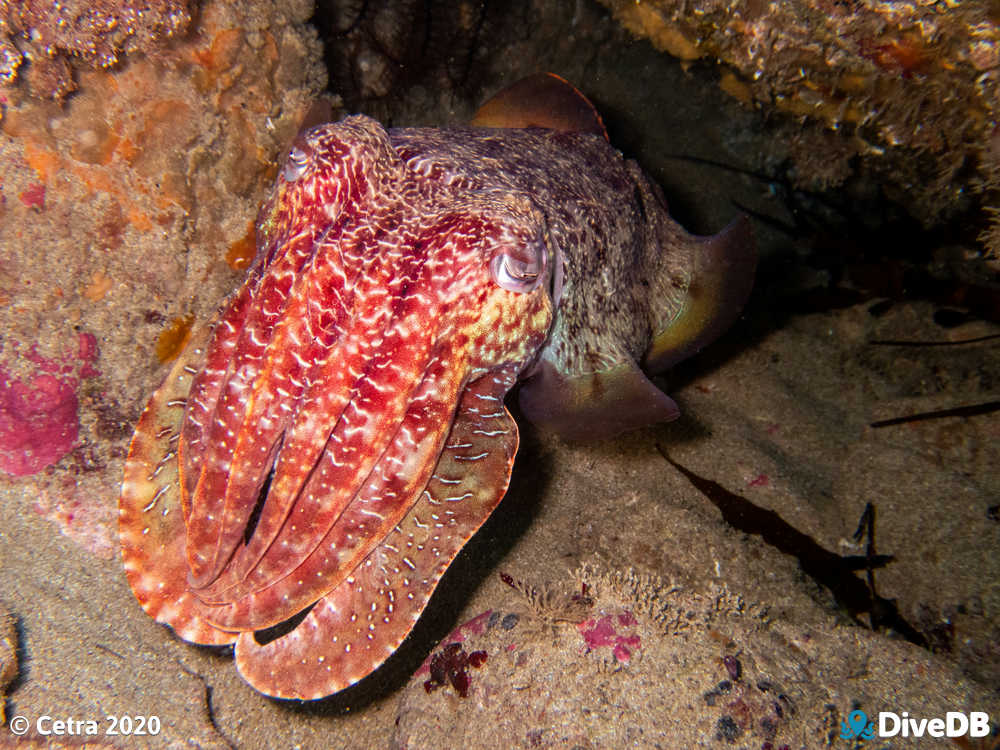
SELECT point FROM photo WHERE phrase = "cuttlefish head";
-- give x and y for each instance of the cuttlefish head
(639, 294)
(328, 447)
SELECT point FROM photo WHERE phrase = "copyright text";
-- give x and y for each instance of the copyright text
(121, 726)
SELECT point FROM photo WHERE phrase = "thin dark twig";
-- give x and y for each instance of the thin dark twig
(761, 176)
(902, 342)
(959, 411)
(108, 650)
(866, 530)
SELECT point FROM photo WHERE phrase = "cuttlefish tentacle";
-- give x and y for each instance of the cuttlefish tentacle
(375, 607)
(207, 384)
(351, 389)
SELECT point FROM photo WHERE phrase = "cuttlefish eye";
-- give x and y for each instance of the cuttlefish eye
(521, 270)
(298, 159)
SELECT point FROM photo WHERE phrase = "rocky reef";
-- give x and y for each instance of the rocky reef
(109, 199)
(909, 87)
(43, 41)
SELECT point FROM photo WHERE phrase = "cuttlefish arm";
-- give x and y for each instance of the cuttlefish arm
(325, 450)
(354, 628)
(150, 518)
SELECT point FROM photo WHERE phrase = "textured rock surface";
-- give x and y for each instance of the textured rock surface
(44, 38)
(914, 87)
(705, 669)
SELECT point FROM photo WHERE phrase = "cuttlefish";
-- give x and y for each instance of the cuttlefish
(318, 455)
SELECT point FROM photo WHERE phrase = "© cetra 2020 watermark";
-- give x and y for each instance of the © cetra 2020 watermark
(67, 726)
(858, 727)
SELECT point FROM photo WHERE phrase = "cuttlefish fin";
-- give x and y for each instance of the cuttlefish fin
(542, 100)
(150, 518)
(617, 396)
(360, 623)
(594, 405)
(721, 279)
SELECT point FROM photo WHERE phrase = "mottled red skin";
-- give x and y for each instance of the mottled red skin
(336, 437)
(363, 367)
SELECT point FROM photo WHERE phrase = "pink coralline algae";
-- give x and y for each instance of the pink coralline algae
(616, 632)
(34, 196)
(38, 416)
(38, 423)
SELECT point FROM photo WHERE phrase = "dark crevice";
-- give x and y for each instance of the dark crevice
(258, 507)
(869, 247)
(283, 628)
(208, 708)
(833, 571)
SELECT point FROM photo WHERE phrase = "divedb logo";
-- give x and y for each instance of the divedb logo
(954, 724)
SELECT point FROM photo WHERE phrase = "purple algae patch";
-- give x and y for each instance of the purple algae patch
(38, 422)
(451, 665)
(616, 632)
